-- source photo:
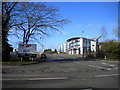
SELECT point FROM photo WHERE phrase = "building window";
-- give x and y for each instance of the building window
(79, 50)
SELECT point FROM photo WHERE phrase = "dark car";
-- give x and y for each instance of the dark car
(43, 56)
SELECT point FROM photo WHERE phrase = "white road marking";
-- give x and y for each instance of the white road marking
(113, 61)
(86, 89)
(106, 75)
(77, 62)
(108, 69)
(105, 68)
(101, 67)
(92, 66)
(95, 66)
(23, 75)
(104, 63)
(108, 64)
(54, 78)
(116, 68)
(111, 65)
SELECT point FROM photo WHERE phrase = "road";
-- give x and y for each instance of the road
(62, 74)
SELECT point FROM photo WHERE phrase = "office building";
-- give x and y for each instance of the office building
(79, 45)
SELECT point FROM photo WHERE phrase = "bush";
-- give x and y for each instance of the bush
(63, 53)
(111, 49)
(89, 56)
(100, 54)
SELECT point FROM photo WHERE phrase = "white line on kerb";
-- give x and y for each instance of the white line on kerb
(55, 78)
(106, 75)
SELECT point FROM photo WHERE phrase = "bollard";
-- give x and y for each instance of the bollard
(105, 57)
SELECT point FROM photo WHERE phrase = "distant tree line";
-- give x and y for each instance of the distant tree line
(49, 51)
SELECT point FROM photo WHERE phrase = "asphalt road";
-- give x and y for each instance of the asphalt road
(63, 74)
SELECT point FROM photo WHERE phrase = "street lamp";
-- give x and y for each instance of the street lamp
(42, 43)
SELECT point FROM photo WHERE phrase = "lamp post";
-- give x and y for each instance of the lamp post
(87, 45)
(42, 43)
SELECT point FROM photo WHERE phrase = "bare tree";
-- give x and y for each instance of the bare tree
(7, 14)
(103, 32)
(37, 19)
(116, 32)
(7, 10)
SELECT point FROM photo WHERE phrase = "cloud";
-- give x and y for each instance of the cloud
(86, 25)
(91, 25)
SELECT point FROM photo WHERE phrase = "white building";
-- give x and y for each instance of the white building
(79, 45)
(63, 47)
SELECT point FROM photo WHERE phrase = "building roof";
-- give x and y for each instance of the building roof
(78, 38)
(73, 39)
(96, 38)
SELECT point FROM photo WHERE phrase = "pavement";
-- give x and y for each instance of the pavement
(62, 74)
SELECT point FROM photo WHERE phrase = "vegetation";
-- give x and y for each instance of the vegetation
(89, 56)
(35, 20)
(63, 53)
(111, 49)
(55, 51)
(28, 21)
(49, 51)
(7, 23)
